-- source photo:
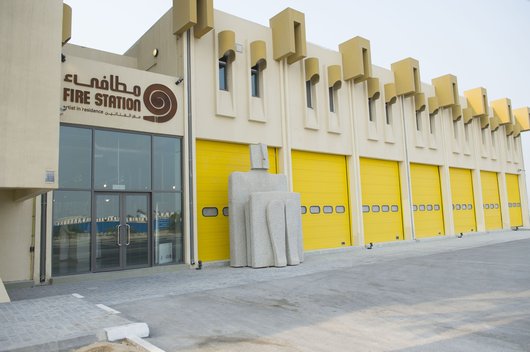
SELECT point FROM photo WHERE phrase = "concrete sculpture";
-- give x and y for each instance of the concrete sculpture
(265, 218)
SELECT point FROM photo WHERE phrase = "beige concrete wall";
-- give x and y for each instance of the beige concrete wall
(99, 55)
(30, 62)
(159, 36)
(377, 139)
(317, 129)
(233, 116)
(425, 147)
(15, 237)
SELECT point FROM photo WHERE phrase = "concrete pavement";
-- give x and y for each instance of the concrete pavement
(469, 294)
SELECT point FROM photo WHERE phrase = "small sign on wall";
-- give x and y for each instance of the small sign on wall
(49, 176)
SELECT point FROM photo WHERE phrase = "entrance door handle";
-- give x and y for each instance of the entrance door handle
(128, 234)
(118, 242)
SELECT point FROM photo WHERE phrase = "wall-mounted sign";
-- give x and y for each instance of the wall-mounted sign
(101, 94)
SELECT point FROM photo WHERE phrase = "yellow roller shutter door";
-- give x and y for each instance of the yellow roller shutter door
(215, 162)
(491, 200)
(322, 181)
(463, 200)
(426, 200)
(514, 200)
(381, 201)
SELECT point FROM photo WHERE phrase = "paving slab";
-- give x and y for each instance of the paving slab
(447, 294)
(469, 299)
(52, 323)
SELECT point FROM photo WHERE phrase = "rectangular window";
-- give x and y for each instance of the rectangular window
(432, 124)
(493, 139)
(331, 99)
(314, 209)
(371, 109)
(418, 120)
(388, 111)
(255, 81)
(483, 133)
(309, 94)
(466, 132)
(223, 73)
(455, 129)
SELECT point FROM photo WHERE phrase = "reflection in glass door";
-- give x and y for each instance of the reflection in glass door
(136, 220)
(121, 231)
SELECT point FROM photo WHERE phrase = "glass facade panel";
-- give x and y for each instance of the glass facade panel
(166, 164)
(122, 161)
(223, 73)
(71, 232)
(136, 229)
(121, 229)
(254, 81)
(108, 239)
(75, 152)
(167, 228)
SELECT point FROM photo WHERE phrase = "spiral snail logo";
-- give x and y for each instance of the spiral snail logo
(161, 102)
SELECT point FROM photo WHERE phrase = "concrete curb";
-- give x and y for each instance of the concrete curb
(116, 333)
(62, 345)
(149, 347)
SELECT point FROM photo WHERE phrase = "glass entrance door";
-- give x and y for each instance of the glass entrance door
(121, 236)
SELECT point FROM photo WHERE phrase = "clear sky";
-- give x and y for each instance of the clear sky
(485, 43)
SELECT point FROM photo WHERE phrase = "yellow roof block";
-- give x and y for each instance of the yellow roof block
(67, 23)
(204, 18)
(477, 100)
(356, 59)
(407, 76)
(193, 13)
(446, 90)
(522, 116)
(502, 109)
(288, 36)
